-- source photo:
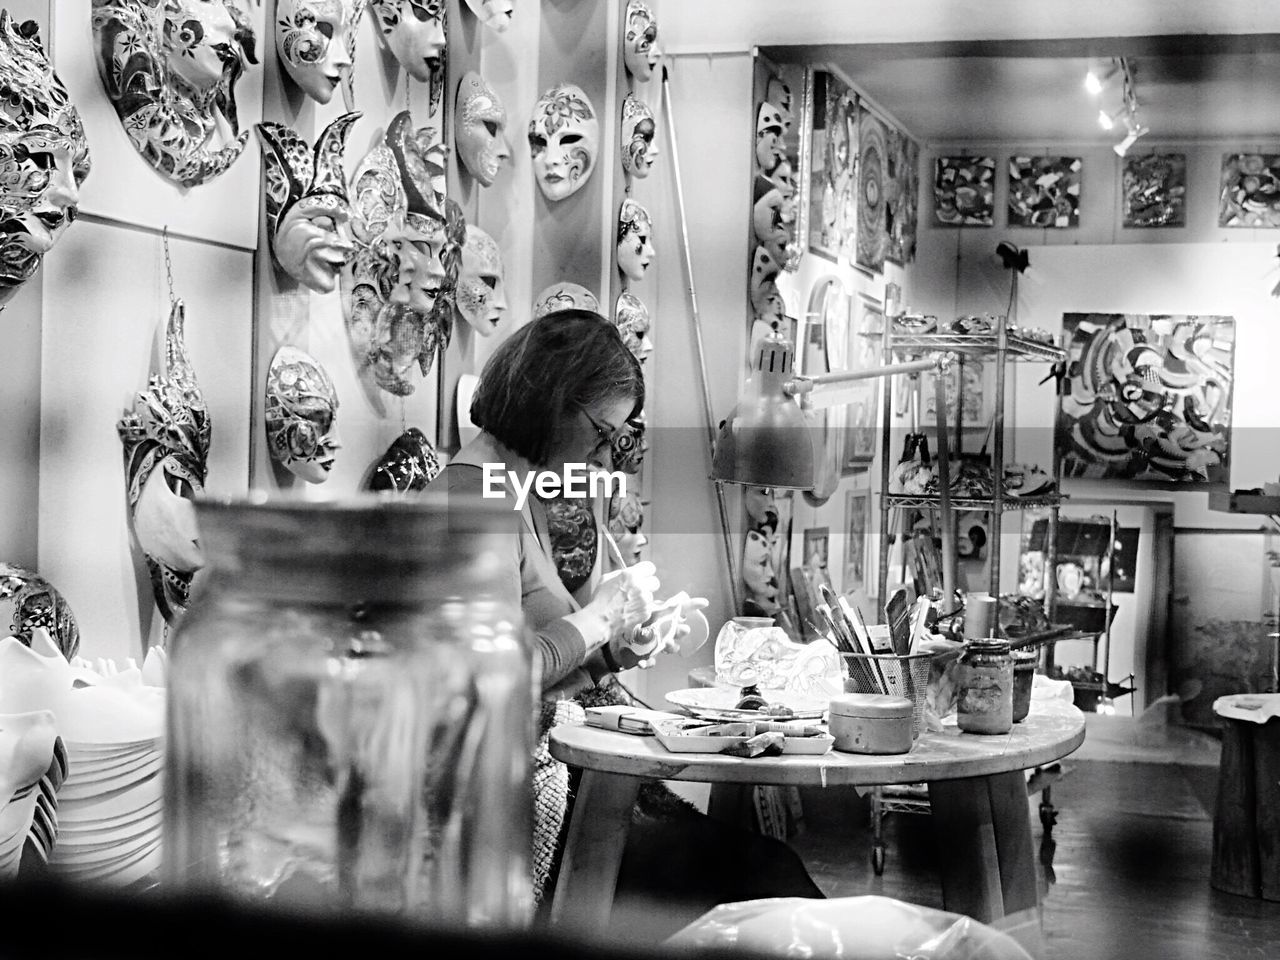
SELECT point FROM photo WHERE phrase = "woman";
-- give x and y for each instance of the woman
(558, 392)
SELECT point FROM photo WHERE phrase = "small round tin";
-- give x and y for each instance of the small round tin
(870, 723)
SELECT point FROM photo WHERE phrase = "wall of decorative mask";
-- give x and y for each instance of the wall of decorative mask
(304, 226)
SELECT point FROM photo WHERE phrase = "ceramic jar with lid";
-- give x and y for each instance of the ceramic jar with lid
(984, 682)
(870, 723)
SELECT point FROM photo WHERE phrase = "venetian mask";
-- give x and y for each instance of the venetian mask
(766, 300)
(301, 415)
(170, 68)
(626, 453)
(414, 32)
(638, 131)
(481, 297)
(635, 247)
(494, 14)
(35, 603)
(564, 137)
(626, 514)
(640, 40)
(631, 317)
(481, 129)
(306, 199)
(166, 453)
(44, 156)
(778, 93)
(767, 219)
(409, 464)
(770, 149)
(564, 296)
(315, 40)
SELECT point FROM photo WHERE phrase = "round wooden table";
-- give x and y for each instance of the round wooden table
(976, 788)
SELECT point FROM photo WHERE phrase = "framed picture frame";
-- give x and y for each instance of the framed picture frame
(857, 534)
(861, 423)
(832, 157)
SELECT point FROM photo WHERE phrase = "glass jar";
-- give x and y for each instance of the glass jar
(984, 683)
(350, 713)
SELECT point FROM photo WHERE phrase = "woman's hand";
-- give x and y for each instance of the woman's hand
(624, 599)
(644, 644)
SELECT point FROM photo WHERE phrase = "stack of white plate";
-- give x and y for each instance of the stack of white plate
(26, 754)
(43, 834)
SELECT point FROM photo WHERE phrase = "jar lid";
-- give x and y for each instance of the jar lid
(870, 705)
(988, 645)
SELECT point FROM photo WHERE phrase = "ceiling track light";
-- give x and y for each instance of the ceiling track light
(1134, 130)
(1096, 77)
(1107, 121)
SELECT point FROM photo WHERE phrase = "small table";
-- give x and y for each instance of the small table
(976, 787)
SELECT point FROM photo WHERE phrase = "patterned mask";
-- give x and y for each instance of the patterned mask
(301, 415)
(414, 32)
(640, 51)
(564, 136)
(316, 42)
(638, 130)
(35, 603)
(631, 317)
(769, 146)
(44, 156)
(166, 453)
(635, 249)
(564, 296)
(767, 218)
(766, 300)
(409, 464)
(494, 14)
(307, 204)
(481, 126)
(482, 293)
(170, 68)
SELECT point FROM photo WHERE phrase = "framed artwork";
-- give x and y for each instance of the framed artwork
(1154, 188)
(833, 158)
(857, 528)
(1147, 397)
(903, 179)
(1044, 191)
(817, 553)
(975, 411)
(1250, 194)
(872, 238)
(861, 428)
(964, 191)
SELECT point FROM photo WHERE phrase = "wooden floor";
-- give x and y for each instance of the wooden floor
(1126, 875)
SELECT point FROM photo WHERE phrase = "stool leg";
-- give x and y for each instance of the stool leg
(598, 828)
(877, 831)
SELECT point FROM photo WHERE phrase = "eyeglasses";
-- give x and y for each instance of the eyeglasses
(606, 433)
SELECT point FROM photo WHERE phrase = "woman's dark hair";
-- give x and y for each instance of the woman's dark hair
(547, 370)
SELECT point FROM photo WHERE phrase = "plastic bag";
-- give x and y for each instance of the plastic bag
(847, 928)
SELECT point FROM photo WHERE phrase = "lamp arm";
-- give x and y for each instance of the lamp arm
(802, 385)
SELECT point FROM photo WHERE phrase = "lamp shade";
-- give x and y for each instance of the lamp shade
(767, 440)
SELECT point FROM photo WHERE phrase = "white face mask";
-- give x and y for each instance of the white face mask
(314, 39)
(768, 220)
(564, 296)
(414, 32)
(494, 14)
(481, 297)
(195, 33)
(635, 246)
(766, 300)
(770, 149)
(301, 415)
(564, 137)
(640, 51)
(638, 133)
(165, 523)
(631, 317)
(480, 129)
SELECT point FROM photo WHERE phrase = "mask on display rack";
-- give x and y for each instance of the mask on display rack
(409, 464)
(638, 131)
(640, 51)
(301, 415)
(635, 248)
(778, 93)
(399, 287)
(481, 297)
(414, 32)
(166, 454)
(564, 137)
(629, 447)
(170, 69)
(316, 43)
(626, 514)
(44, 156)
(494, 14)
(631, 317)
(766, 300)
(564, 296)
(770, 229)
(770, 150)
(33, 602)
(481, 129)
(307, 204)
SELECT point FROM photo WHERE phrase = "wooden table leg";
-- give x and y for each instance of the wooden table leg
(593, 851)
(986, 852)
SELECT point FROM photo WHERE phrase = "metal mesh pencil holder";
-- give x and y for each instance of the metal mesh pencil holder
(906, 676)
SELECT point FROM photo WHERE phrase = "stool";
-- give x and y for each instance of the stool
(1246, 825)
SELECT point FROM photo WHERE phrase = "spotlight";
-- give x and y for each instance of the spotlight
(1096, 78)
(1012, 257)
(1134, 131)
(1107, 121)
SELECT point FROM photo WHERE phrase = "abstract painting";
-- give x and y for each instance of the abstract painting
(1250, 190)
(964, 191)
(1147, 397)
(873, 238)
(903, 183)
(1044, 191)
(1155, 190)
(833, 154)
